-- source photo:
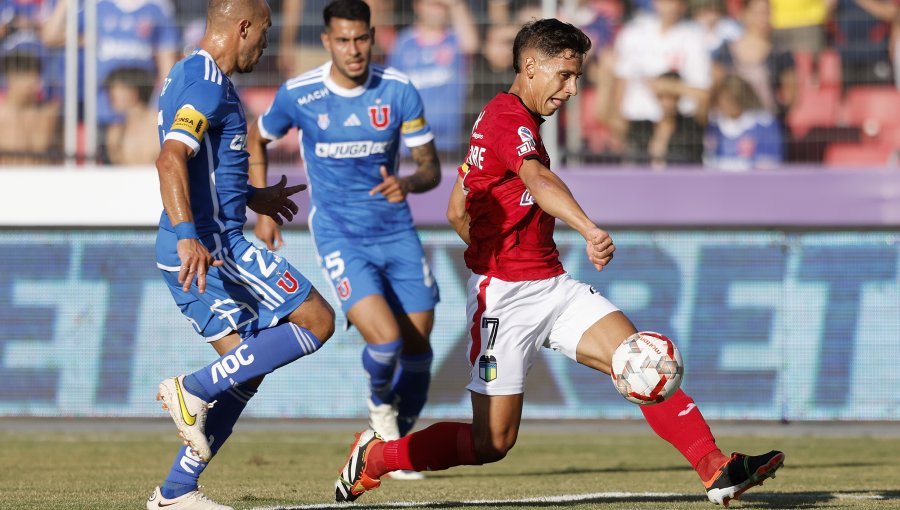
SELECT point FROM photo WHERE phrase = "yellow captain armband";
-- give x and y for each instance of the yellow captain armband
(190, 120)
(411, 126)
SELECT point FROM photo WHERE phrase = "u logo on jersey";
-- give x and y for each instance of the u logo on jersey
(380, 116)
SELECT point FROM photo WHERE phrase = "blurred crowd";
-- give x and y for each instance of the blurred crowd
(727, 84)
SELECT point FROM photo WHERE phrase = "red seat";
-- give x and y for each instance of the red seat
(858, 155)
(875, 109)
(256, 100)
(815, 106)
(830, 72)
(823, 71)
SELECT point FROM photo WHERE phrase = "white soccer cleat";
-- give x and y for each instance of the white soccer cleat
(189, 414)
(383, 420)
(194, 500)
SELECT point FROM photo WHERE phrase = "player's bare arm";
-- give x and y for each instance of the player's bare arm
(456, 211)
(266, 230)
(175, 192)
(428, 169)
(426, 177)
(555, 198)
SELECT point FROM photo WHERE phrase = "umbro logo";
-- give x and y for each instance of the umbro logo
(352, 121)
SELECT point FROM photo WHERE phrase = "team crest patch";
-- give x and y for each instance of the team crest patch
(323, 121)
(343, 289)
(380, 116)
(487, 367)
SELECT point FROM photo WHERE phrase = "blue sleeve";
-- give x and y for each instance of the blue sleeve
(198, 107)
(414, 129)
(277, 120)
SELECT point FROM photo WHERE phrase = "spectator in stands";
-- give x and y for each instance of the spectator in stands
(862, 37)
(674, 139)
(434, 52)
(492, 68)
(28, 123)
(754, 58)
(506, 11)
(741, 135)
(130, 33)
(799, 25)
(20, 30)
(649, 46)
(719, 28)
(135, 141)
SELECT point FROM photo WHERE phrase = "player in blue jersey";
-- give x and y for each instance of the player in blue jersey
(256, 310)
(352, 117)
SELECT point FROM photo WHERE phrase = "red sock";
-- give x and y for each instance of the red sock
(440, 446)
(678, 421)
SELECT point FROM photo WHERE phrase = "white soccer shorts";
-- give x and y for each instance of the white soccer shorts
(510, 321)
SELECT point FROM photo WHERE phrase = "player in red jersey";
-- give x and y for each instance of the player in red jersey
(520, 298)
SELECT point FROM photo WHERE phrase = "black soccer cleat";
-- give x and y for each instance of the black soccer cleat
(741, 473)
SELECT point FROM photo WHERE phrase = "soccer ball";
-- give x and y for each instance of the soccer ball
(647, 368)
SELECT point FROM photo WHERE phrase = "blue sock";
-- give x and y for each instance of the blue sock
(379, 361)
(260, 353)
(411, 387)
(186, 469)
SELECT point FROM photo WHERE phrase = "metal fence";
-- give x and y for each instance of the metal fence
(834, 103)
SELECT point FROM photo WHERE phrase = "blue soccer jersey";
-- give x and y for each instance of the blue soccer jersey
(346, 135)
(254, 288)
(198, 106)
(753, 140)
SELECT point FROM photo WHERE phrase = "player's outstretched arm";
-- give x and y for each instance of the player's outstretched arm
(266, 230)
(456, 211)
(555, 198)
(275, 201)
(174, 189)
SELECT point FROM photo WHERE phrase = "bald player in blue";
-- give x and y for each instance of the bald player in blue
(253, 307)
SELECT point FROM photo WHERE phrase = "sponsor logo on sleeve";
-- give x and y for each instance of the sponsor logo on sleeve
(527, 144)
(191, 121)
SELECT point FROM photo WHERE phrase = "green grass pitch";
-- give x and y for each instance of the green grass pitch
(42, 470)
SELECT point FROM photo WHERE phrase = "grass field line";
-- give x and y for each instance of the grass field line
(565, 498)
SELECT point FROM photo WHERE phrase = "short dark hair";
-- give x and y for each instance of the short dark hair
(18, 61)
(135, 77)
(550, 37)
(353, 10)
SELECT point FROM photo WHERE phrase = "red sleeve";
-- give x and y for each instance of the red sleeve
(515, 140)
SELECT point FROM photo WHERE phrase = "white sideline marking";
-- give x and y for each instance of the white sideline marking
(565, 498)
(838, 495)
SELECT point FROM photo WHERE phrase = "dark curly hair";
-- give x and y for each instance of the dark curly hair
(550, 37)
(353, 10)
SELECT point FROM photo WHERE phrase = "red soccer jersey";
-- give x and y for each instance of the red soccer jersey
(511, 236)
